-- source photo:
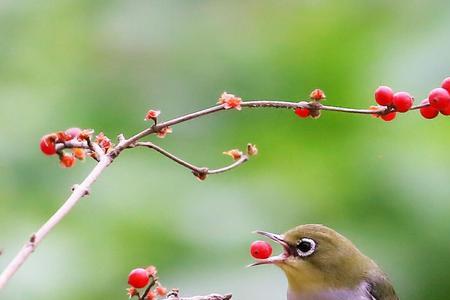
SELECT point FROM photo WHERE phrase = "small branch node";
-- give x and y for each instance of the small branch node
(32, 238)
(121, 138)
(201, 173)
(32, 242)
(86, 192)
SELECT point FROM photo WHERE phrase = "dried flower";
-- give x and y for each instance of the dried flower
(230, 101)
(79, 153)
(151, 270)
(234, 153)
(317, 95)
(375, 108)
(163, 132)
(251, 149)
(67, 160)
(131, 292)
(150, 296)
(61, 136)
(103, 141)
(152, 115)
(161, 291)
(85, 134)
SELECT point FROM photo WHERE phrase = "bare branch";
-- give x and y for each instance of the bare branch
(77, 194)
(168, 155)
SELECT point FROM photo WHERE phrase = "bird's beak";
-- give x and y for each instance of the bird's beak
(278, 238)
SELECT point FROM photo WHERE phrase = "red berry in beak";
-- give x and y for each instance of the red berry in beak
(260, 249)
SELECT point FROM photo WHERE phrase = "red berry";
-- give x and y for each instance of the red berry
(73, 132)
(47, 145)
(446, 84)
(384, 95)
(402, 101)
(138, 278)
(439, 98)
(428, 112)
(302, 112)
(67, 160)
(389, 116)
(445, 111)
(260, 249)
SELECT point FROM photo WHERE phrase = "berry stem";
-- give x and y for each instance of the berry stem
(149, 287)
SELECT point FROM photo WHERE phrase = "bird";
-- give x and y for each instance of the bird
(321, 264)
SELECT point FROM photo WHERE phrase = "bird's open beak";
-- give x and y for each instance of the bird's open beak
(278, 238)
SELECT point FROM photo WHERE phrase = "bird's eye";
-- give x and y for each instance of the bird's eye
(306, 247)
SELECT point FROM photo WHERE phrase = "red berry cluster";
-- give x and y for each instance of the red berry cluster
(393, 102)
(389, 103)
(141, 278)
(76, 140)
(260, 249)
(438, 100)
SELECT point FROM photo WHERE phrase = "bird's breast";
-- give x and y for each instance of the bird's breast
(359, 293)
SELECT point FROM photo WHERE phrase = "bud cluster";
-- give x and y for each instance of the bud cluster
(73, 144)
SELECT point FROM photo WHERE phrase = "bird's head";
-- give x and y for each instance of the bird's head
(316, 257)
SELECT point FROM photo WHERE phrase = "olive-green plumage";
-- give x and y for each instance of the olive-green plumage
(321, 264)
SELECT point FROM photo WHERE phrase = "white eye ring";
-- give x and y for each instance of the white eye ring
(306, 247)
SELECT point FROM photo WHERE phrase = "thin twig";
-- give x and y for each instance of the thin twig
(193, 168)
(249, 104)
(237, 163)
(72, 144)
(168, 155)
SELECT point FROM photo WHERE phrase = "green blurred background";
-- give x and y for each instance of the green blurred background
(103, 64)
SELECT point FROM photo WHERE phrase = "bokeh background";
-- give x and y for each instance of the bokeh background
(103, 64)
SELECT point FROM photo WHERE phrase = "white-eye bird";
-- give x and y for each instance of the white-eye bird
(321, 264)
